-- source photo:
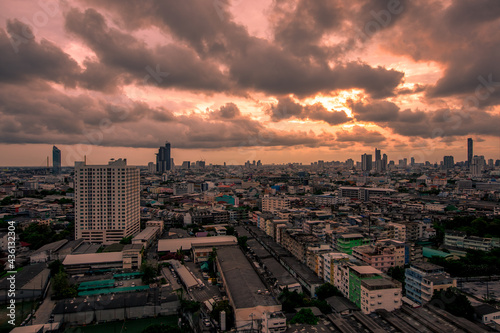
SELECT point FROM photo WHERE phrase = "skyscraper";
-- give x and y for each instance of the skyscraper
(477, 166)
(448, 162)
(163, 159)
(366, 162)
(56, 160)
(107, 201)
(470, 153)
(384, 162)
(378, 160)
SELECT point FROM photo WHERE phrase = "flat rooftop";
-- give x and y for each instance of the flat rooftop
(172, 245)
(366, 270)
(242, 282)
(92, 258)
(146, 233)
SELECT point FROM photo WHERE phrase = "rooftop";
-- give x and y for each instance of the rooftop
(172, 245)
(366, 270)
(426, 266)
(243, 283)
(92, 258)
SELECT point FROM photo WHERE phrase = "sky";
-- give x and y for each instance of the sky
(231, 81)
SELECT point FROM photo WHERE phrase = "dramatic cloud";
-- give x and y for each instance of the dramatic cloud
(360, 134)
(287, 108)
(23, 58)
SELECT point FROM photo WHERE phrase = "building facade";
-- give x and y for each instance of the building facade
(106, 201)
(423, 278)
(163, 159)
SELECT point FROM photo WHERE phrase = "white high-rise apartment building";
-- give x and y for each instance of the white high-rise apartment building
(107, 201)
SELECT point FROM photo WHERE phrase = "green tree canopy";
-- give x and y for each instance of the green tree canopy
(304, 316)
(327, 290)
(149, 272)
(454, 302)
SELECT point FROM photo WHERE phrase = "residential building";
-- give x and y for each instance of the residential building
(423, 279)
(106, 201)
(271, 204)
(458, 239)
(346, 242)
(379, 256)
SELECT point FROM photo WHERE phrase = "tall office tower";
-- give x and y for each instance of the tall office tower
(56, 160)
(163, 159)
(448, 162)
(186, 165)
(477, 166)
(378, 160)
(491, 163)
(412, 163)
(366, 162)
(107, 201)
(384, 162)
(470, 152)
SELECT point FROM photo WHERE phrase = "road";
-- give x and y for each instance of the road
(42, 315)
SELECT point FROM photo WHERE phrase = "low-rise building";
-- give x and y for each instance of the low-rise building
(423, 279)
(346, 242)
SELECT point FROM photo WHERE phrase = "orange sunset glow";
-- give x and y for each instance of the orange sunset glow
(236, 80)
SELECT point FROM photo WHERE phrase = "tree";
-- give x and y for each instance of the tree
(304, 316)
(126, 240)
(397, 273)
(223, 306)
(149, 273)
(242, 242)
(454, 302)
(291, 300)
(229, 230)
(190, 306)
(61, 286)
(56, 267)
(327, 290)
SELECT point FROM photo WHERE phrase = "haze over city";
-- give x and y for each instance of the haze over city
(279, 81)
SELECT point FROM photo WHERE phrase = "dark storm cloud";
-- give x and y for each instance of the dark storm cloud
(227, 111)
(24, 58)
(37, 113)
(253, 63)
(287, 108)
(377, 111)
(122, 54)
(427, 124)
(461, 37)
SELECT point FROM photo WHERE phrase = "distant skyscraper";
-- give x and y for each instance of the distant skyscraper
(470, 152)
(151, 167)
(56, 160)
(366, 162)
(378, 160)
(106, 201)
(384, 162)
(163, 159)
(186, 164)
(412, 163)
(477, 166)
(448, 162)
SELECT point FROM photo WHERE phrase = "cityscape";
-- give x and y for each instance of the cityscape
(257, 167)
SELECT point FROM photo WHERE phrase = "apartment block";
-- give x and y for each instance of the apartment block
(462, 241)
(345, 242)
(271, 204)
(423, 278)
(106, 201)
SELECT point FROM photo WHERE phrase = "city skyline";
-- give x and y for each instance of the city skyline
(261, 80)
